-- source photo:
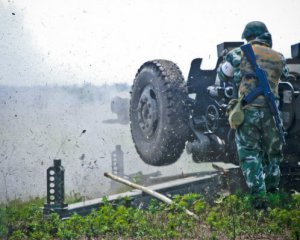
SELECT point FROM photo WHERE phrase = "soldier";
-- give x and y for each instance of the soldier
(258, 144)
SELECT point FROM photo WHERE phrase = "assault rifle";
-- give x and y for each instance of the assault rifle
(263, 89)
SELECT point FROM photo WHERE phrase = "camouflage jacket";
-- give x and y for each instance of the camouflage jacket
(236, 67)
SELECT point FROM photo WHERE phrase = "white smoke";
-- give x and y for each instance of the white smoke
(39, 124)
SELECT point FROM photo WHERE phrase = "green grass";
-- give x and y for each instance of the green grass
(229, 217)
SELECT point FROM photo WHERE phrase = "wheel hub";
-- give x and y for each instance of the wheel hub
(212, 118)
(148, 112)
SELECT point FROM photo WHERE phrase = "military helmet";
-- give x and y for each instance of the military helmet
(254, 29)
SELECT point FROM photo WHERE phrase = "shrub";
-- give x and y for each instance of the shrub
(227, 217)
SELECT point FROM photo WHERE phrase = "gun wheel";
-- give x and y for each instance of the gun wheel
(159, 113)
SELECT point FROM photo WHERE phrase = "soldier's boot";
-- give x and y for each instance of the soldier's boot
(261, 205)
(273, 190)
(260, 202)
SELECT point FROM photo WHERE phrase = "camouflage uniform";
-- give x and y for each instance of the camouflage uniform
(257, 139)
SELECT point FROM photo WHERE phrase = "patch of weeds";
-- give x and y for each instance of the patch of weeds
(231, 217)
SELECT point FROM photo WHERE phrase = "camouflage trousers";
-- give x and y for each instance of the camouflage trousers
(259, 150)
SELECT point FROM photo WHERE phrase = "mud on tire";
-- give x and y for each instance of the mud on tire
(159, 113)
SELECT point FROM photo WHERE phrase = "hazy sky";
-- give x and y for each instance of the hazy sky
(106, 41)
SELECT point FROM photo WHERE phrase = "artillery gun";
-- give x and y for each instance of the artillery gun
(169, 114)
(120, 106)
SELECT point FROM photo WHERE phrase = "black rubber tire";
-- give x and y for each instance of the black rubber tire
(160, 85)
